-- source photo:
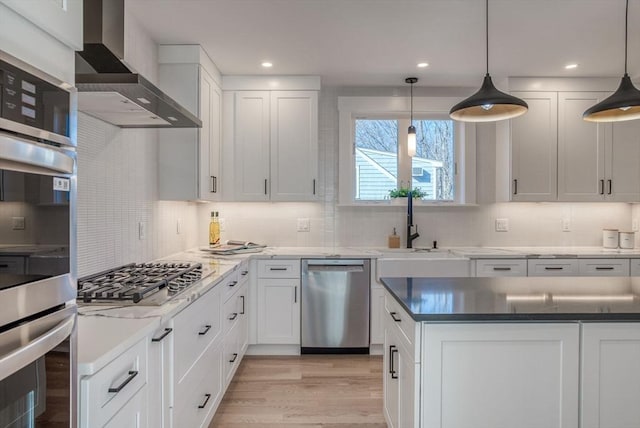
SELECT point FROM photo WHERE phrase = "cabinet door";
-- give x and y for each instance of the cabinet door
(133, 414)
(610, 375)
(500, 375)
(377, 316)
(278, 311)
(206, 176)
(251, 146)
(534, 145)
(581, 149)
(160, 382)
(390, 380)
(294, 145)
(623, 158)
(408, 389)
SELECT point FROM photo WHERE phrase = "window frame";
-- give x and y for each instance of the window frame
(437, 108)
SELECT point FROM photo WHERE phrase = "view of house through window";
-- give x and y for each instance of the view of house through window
(377, 170)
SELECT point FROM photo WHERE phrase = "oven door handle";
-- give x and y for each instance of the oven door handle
(21, 155)
(23, 355)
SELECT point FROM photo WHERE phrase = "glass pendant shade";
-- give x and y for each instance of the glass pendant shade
(623, 104)
(488, 105)
(411, 141)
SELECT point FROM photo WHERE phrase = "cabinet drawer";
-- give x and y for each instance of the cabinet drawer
(231, 352)
(407, 327)
(278, 268)
(13, 265)
(133, 414)
(635, 267)
(234, 309)
(229, 285)
(199, 393)
(555, 267)
(604, 267)
(194, 329)
(111, 388)
(506, 267)
(243, 273)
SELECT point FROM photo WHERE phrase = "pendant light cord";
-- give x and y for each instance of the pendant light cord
(486, 28)
(626, 37)
(411, 122)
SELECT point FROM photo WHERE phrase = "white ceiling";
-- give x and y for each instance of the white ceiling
(379, 42)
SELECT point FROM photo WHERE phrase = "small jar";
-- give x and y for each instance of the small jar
(610, 238)
(627, 240)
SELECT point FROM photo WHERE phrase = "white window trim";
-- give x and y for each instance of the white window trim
(350, 108)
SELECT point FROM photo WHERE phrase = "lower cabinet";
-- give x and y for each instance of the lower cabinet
(133, 414)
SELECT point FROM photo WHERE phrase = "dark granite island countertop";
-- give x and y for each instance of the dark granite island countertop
(518, 298)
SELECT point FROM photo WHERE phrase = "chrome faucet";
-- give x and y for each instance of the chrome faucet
(410, 236)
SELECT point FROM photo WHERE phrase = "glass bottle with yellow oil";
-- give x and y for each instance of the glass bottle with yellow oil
(214, 229)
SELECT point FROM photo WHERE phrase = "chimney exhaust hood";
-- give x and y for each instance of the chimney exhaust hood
(107, 89)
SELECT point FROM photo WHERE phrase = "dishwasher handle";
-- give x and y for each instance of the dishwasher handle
(335, 268)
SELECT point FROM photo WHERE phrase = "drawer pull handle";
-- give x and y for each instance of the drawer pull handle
(394, 373)
(553, 268)
(278, 268)
(234, 316)
(242, 313)
(132, 374)
(4, 266)
(604, 267)
(166, 333)
(233, 359)
(244, 272)
(501, 268)
(393, 315)
(232, 283)
(205, 331)
(601, 187)
(206, 400)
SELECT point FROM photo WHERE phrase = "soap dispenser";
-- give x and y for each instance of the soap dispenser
(394, 240)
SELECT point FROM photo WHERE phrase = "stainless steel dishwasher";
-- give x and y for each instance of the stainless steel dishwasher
(335, 306)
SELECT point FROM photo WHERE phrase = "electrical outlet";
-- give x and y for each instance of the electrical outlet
(566, 224)
(142, 230)
(502, 225)
(17, 223)
(304, 225)
(634, 225)
(178, 227)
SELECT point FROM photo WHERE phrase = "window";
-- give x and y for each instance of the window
(380, 167)
(373, 155)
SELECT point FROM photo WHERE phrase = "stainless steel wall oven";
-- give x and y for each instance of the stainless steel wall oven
(37, 248)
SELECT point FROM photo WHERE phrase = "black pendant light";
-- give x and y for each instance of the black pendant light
(624, 103)
(488, 104)
(411, 132)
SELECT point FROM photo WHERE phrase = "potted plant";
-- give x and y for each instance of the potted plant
(403, 192)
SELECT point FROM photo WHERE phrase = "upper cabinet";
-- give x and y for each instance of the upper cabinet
(552, 154)
(189, 159)
(271, 139)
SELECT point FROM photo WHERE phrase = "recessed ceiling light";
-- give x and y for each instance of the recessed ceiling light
(423, 65)
(571, 66)
(267, 64)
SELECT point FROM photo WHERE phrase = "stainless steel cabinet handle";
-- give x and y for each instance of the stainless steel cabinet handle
(233, 359)
(602, 187)
(205, 331)
(132, 374)
(242, 313)
(232, 283)
(604, 267)
(553, 268)
(166, 333)
(393, 315)
(501, 268)
(392, 350)
(233, 316)
(515, 186)
(610, 185)
(206, 400)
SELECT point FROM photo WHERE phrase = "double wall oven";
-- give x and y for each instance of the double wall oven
(37, 248)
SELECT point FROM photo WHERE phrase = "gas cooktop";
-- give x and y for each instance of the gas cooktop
(144, 283)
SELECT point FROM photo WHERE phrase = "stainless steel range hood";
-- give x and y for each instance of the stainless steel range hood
(107, 89)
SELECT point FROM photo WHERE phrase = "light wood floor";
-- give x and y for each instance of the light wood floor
(309, 391)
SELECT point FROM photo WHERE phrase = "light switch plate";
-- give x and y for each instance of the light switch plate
(634, 225)
(142, 230)
(17, 223)
(502, 225)
(178, 226)
(566, 224)
(304, 225)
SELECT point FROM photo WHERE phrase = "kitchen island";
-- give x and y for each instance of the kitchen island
(504, 352)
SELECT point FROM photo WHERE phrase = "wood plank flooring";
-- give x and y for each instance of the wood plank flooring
(308, 391)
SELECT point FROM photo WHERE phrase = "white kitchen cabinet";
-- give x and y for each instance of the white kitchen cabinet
(279, 311)
(377, 315)
(610, 381)
(604, 267)
(552, 267)
(60, 18)
(500, 375)
(533, 144)
(160, 382)
(133, 414)
(272, 138)
(622, 157)
(189, 159)
(501, 267)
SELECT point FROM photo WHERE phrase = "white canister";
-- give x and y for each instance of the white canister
(610, 238)
(627, 240)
